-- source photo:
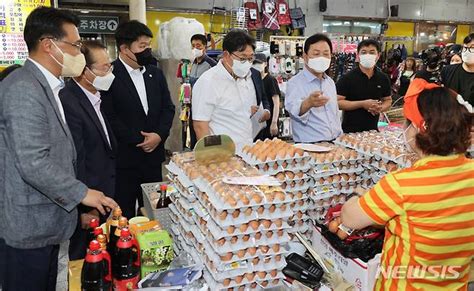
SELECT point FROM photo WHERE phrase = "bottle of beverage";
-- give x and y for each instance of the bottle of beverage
(164, 200)
(96, 273)
(92, 226)
(102, 239)
(127, 258)
(112, 246)
(112, 222)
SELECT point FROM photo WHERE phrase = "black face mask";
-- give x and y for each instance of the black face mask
(145, 57)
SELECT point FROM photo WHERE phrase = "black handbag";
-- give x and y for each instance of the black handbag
(298, 20)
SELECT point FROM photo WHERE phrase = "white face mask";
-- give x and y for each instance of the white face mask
(319, 64)
(259, 67)
(241, 70)
(72, 66)
(368, 61)
(467, 57)
(102, 83)
(197, 53)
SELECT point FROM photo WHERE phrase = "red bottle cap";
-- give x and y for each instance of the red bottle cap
(94, 245)
(98, 230)
(93, 223)
(163, 187)
(125, 232)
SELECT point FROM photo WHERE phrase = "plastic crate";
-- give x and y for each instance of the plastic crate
(162, 214)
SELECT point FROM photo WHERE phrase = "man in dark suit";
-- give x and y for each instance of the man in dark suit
(94, 140)
(139, 108)
(39, 192)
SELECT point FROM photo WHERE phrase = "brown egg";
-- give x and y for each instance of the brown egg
(321, 181)
(277, 258)
(226, 282)
(253, 285)
(299, 195)
(293, 183)
(281, 176)
(280, 232)
(266, 167)
(244, 199)
(238, 279)
(273, 273)
(236, 213)
(255, 261)
(260, 210)
(280, 196)
(272, 209)
(246, 149)
(276, 248)
(342, 234)
(226, 257)
(299, 152)
(292, 152)
(267, 260)
(269, 234)
(276, 281)
(284, 164)
(250, 276)
(241, 253)
(279, 222)
(254, 224)
(272, 155)
(257, 198)
(275, 166)
(264, 249)
(221, 242)
(283, 207)
(234, 240)
(269, 197)
(258, 235)
(261, 275)
(333, 226)
(231, 201)
(264, 284)
(281, 153)
(246, 238)
(230, 229)
(266, 223)
(252, 250)
(290, 175)
(243, 227)
(248, 211)
(284, 185)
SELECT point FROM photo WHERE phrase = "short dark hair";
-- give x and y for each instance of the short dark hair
(8, 70)
(87, 47)
(448, 123)
(46, 22)
(131, 31)
(468, 38)
(237, 40)
(367, 43)
(314, 39)
(200, 37)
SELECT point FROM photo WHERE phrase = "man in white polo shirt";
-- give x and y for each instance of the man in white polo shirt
(226, 96)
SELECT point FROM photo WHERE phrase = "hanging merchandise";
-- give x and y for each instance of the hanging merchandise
(283, 13)
(270, 15)
(185, 94)
(298, 20)
(254, 21)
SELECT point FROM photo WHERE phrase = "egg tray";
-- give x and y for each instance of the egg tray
(305, 204)
(217, 201)
(256, 264)
(186, 192)
(299, 215)
(301, 227)
(333, 170)
(243, 267)
(289, 176)
(233, 286)
(330, 201)
(318, 214)
(217, 232)
(267, 212)
(301, 185)
(184, 208)
(276, 168)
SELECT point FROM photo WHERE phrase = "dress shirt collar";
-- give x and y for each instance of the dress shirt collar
(54, 83)
(130, 69)
(310, 76)
(93, 98)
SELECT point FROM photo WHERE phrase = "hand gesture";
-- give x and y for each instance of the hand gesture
(151, 141)
(99, 201)
(316, 99)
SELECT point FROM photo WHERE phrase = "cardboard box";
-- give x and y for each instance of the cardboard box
(354, 271)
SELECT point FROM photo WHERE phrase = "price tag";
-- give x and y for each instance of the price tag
(256, 180)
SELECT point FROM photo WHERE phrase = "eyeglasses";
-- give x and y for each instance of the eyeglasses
(470, 49)
(77, 44)
(243, 60)
(109, 69)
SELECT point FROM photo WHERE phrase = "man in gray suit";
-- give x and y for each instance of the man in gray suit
(39, 193)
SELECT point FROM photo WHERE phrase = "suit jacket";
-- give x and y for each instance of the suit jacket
(39, 192)
(260, 89)
(95, 157)
(124, 110)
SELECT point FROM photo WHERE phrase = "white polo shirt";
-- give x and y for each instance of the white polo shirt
(226, 103)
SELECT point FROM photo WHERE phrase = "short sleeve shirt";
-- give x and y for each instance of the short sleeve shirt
(356, 86)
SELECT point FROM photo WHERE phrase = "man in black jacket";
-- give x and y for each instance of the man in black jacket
(139, 108)
(94, 140)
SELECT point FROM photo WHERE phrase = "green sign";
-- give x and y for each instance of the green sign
(98, 24)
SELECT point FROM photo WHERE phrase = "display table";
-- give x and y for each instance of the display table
(75, 268)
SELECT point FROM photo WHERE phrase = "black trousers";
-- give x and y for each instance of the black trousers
(31, 269)
(128, 190)
(3, 255)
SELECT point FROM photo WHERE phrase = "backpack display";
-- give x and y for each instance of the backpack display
(254, 21)
(297, 18)
(283, 13)
(270, 15)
